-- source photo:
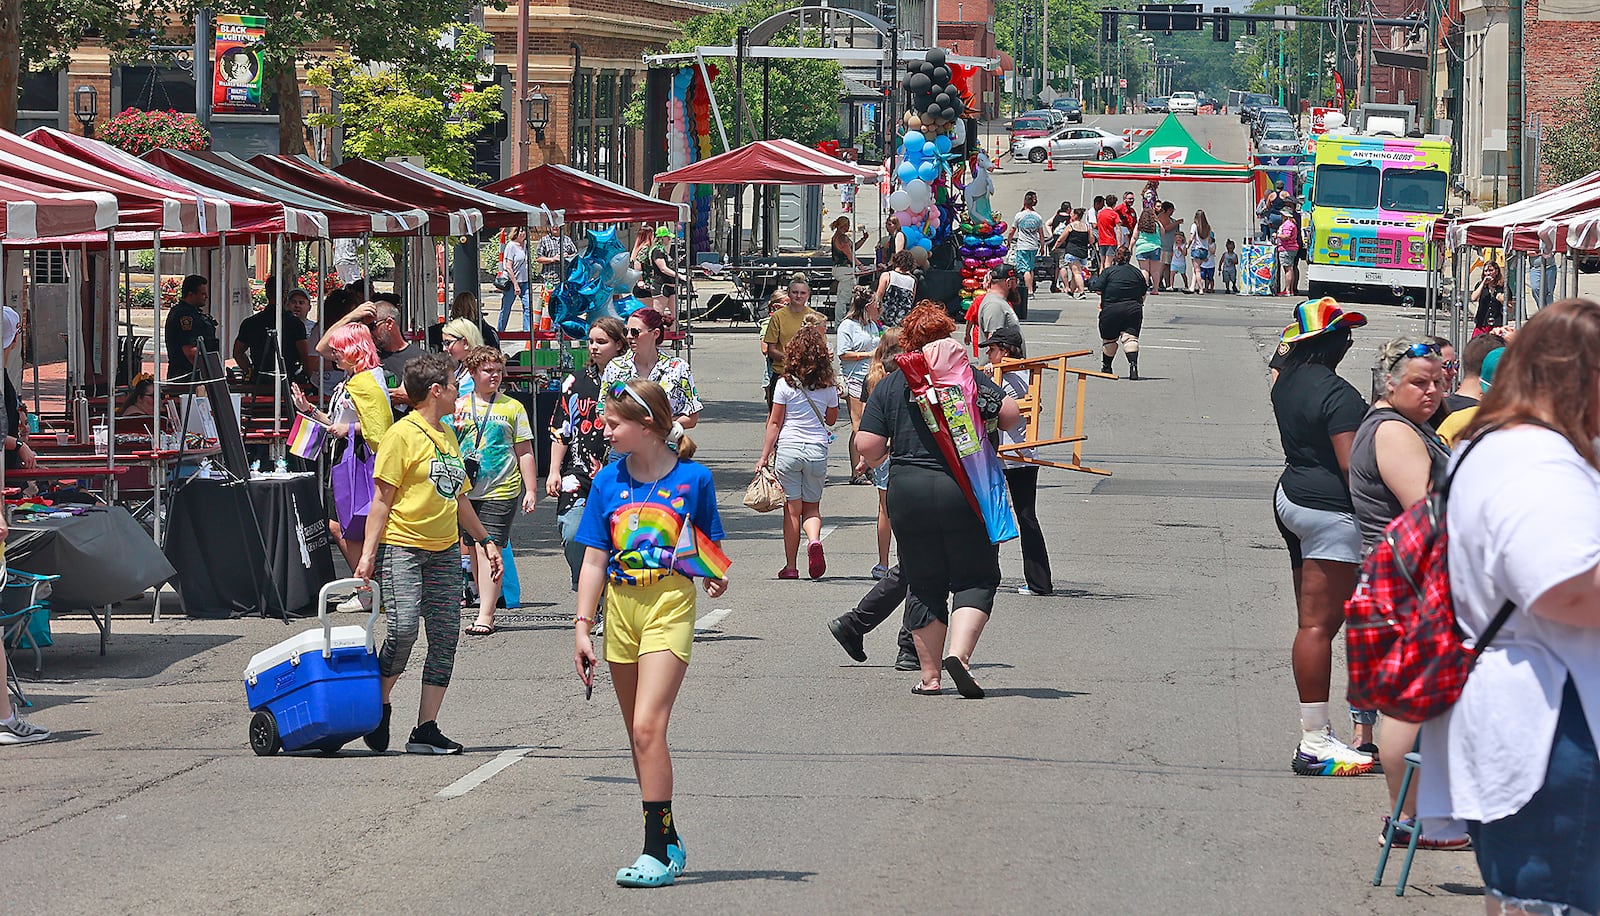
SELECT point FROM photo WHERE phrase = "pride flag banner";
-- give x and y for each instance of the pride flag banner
(306, 437)
(698, 555)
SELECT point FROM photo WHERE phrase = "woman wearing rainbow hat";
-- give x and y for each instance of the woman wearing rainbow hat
(1318, 414)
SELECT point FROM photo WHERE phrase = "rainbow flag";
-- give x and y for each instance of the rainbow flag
(698, 555)
(306, 437)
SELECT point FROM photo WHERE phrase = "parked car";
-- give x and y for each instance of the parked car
(1269, 118)
(1252, 103)
(1024, 127)
(1278, 141)
(1072, 109)
(1056, 118)
(1071, 143)
(1183, 103)
(1155, 104)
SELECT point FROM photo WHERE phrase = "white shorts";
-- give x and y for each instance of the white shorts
(1316, 534)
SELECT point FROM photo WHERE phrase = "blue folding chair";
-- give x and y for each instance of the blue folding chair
(25, 596)
(1411, 830)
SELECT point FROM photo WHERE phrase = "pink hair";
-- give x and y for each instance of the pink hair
(353, 343)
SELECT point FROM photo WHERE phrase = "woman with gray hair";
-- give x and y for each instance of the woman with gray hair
(1395, 460)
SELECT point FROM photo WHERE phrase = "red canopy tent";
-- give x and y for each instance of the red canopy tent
(311, 176)
(408, 182)
(32, 211)
(775, 162)
(220, 170)
(584, 197)
(242, 214)
(1496, 228)
(140, 206)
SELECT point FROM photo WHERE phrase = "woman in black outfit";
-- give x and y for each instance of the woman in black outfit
(1074, 247)
(1122, 288)
(1490, 296)
(945, 553)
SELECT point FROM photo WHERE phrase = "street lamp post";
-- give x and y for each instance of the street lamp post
(85, 108)
(311, 104)
(538, 113)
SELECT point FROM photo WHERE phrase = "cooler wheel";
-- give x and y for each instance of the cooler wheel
(264, 738)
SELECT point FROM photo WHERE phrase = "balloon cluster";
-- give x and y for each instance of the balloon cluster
(599, 283)
(934, 98)
(983, 248)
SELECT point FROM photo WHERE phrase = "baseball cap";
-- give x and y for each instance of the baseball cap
(663, 232)
(1003, 272)
(1490, 364)
(1004, 336)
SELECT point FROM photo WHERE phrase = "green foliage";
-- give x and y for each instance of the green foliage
(429, 108)
(805, 93)
(1291, 61)
(49, 30)
(139, 132)
(1572, 149)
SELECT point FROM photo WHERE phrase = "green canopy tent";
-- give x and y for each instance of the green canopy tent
(1169, 154)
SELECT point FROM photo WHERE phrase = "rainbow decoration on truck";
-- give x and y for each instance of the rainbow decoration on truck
(1373, 200)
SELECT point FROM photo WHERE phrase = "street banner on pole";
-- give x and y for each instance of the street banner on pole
(236, 83)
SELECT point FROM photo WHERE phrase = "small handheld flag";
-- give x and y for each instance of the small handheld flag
(306, 437)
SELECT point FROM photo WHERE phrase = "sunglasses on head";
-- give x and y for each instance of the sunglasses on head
(619, 390)
(1414, 351)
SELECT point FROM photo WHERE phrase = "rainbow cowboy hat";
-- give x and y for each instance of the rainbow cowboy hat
(1319, 316)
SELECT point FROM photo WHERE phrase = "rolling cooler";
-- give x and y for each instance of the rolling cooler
(317, 690)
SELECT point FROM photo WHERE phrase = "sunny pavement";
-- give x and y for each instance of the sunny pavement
(1132, 756)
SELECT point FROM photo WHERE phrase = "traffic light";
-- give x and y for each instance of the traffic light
(1219, 23)
(1108, 28)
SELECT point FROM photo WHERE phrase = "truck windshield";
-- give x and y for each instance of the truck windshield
(1414, 190)
(1352, 186)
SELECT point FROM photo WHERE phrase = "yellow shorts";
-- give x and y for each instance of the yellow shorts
(641, 619)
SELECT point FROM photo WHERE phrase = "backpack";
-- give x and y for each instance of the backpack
(1405, 653)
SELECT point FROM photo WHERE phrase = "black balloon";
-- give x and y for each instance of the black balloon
(935, 56)
(941, 74)
(917, 82)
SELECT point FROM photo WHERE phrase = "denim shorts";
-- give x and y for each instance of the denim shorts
(1546, 857)
(802, 467)
(1316, 534)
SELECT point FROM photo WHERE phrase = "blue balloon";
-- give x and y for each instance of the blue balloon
(996, 239)
(942, 142)
(925, 245)
(906, 172)
(914, 140)
(973, 240)
(928, 171)
(929, 149)
(913, 234)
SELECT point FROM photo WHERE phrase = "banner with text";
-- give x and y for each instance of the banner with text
(236, 86)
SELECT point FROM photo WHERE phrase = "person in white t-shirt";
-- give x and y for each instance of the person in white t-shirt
(1022, 479)
(1515, 756)
(805, 404)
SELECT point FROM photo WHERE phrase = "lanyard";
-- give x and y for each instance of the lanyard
(477, 424)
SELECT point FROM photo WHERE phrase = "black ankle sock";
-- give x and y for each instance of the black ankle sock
(658, 829)
(1105, 364)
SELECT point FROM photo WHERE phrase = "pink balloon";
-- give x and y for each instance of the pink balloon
(905, 218)
(994, 262)
(969, 263)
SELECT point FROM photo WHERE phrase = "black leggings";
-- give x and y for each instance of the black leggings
(1023, 481)
(944, 547)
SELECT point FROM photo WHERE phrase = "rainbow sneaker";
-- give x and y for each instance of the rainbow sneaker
(1321, 754)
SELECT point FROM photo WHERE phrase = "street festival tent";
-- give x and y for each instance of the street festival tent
(1169, 154)
(32, 210)
(1496, 228)
(585, 198)
(410, 182)
(313, 176)
(767, 162)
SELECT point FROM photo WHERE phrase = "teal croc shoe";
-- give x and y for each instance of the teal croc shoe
(677, 857)
(646, 872)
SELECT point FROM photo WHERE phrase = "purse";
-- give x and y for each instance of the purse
(502, 277)
(765, 492)
(353, 488)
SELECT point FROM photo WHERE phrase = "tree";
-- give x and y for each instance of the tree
(1572, 149)
(804, 103)
(38, 34)
(432, 111)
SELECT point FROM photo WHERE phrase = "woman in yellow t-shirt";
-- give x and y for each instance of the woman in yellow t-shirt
(358, 407)
(419, 508)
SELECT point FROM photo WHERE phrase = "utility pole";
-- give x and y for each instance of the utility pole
(519, 105)
(1044, 45)
(202, 67)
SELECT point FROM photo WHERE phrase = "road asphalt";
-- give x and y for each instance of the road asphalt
(1132, 756)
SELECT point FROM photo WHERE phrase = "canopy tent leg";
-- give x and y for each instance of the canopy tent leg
(157, 473)
(108, 361)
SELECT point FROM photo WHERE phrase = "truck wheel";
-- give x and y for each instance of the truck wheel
(264, 734)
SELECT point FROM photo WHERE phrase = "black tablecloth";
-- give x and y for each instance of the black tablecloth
(101, 556)
(231, 560)
(541, 408)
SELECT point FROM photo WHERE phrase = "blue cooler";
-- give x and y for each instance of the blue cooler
(318, 689)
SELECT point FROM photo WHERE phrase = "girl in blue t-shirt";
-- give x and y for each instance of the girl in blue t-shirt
(650, 526)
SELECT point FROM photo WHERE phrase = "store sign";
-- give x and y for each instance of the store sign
(237, 69)
(1319, 122)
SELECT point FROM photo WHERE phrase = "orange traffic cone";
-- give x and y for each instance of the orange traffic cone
(1049, 162)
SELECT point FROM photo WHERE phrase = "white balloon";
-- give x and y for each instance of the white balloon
(899, 200)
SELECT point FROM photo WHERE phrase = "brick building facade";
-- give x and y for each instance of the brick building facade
(966, 27)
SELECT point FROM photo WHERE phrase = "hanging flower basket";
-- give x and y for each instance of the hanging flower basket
(139, 132)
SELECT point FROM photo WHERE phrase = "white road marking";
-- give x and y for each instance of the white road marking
(711, 619)
(484, 773)
(1145, 346)
(827, 530)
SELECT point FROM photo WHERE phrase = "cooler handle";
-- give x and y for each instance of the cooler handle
(327, 625)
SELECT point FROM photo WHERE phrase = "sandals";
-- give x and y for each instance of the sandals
(481, 629)
(677, 857)
(646, 871)
(965, 685)
(921, 691)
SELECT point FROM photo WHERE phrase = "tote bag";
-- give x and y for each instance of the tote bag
(353, 488)
(765, 492)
